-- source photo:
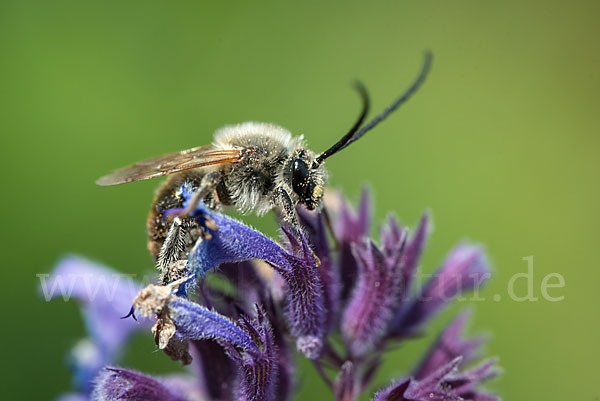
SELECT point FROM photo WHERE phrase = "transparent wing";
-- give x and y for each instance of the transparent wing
(172, 163)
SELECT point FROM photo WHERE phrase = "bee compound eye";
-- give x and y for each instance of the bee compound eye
(300, 175)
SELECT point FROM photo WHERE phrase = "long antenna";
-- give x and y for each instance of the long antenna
(342, 142)
(349, 138)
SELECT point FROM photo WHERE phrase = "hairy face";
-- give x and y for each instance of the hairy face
(307, 178)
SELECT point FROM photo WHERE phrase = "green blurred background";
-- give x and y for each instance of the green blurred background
(501, 144)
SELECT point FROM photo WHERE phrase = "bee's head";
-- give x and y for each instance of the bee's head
(306, 178)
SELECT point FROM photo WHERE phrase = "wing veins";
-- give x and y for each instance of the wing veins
(172, 163)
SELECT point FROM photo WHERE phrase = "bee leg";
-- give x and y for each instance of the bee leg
(176, 271)
(172, 261)
(216, 199)
(207, 185)
(172, 248)
(282, 198)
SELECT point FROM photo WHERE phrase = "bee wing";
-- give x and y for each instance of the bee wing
(172, 163)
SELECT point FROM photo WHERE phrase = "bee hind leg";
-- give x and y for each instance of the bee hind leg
(184, 231)
(172, 258)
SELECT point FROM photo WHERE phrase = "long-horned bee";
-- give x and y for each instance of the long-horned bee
(250, 166)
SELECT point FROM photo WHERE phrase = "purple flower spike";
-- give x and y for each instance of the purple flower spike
(213, 370)
(392, 237)
(448, 346)
(444, 384)
(351, 226)
(412, 253)
(330, 276)
(116, 384)
(342, 306)
(349, 229)
(376, 295)
(258, 373)
(304, 309)
(464, 269)
(431, 386)
(232, 241)
(346, 386)
(465, 384)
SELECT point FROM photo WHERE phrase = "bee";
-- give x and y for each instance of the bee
(251, 166)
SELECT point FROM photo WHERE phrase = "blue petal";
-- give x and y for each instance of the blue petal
(105, 296)
(250, 343)
(195, 322)
(73, 397)
(117, 384)
(233, 241)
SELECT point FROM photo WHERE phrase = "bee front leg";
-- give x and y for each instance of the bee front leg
(288, 208)
(282, 198)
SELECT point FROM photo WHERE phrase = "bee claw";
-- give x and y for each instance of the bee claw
(130, 314)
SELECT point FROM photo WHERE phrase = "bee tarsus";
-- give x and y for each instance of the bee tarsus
(208, 185)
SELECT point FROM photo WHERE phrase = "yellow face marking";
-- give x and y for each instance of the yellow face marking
(317, 191)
